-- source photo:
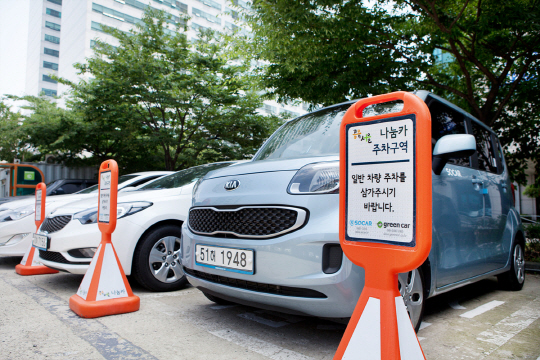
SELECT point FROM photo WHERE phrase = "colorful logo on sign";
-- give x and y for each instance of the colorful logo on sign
(29, 175)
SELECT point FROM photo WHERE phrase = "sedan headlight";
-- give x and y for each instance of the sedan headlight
(89, 216)
(318, 178)
(16, 214)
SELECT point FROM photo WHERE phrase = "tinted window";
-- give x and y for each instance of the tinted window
(94, 189)
(446, 121)
(484, 149)
(183, 177)
(68, 188)
(315, 134)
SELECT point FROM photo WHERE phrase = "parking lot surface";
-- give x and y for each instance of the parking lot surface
(478, 321)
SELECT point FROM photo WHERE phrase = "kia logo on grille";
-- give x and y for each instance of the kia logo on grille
(232, 185)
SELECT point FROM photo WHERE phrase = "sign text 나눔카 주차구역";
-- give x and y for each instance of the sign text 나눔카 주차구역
(381, 181)
(104, 196)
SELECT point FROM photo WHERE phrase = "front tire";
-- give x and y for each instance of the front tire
(411, 288)
(515, 278)
(157, 260)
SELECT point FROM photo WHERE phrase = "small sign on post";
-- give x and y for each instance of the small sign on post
(104, 289)
(384, 220)
(30, 264)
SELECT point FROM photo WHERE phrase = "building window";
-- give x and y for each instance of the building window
(52, 52)
(52, 39)
(231, 26)
(207, 16)
(57, 2)
(197, 27)
(115, 14)
(52, 26)
(49, 92)
(54, 13)
(211, 3)
(50, 65)
(49, 79)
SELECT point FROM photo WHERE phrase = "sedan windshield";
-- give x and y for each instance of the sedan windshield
(315, 134)
(94, 188)
(184, 177)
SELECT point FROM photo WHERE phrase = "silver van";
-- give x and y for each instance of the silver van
(253, 238)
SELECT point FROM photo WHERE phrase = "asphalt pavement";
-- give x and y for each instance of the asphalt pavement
(478, 321)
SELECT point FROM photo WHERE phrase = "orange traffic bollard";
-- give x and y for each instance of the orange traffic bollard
(30, 264)
(104, 289)
(389, 233)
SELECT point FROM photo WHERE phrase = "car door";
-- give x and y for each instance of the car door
(457, 203)
(492, 233)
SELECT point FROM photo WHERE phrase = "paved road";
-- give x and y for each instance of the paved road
(476, 322)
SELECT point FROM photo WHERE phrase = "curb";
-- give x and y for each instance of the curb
(532, 266)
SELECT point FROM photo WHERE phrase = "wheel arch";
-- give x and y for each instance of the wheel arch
(150, 229)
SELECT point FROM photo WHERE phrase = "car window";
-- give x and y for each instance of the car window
(446, 121)
(89, 190)
(484, 149)
(183, 177)
(144, 181)
(94, 188)
(315, 134)
(68, 189)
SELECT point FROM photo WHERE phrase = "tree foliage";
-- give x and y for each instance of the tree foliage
(481, 55)
(191, 100)
(11, 146)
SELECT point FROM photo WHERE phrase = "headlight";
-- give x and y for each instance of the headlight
(17, 213)
(318, 178)
(89, 216)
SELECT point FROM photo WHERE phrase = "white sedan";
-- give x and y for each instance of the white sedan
(17, 225)
(147, 238)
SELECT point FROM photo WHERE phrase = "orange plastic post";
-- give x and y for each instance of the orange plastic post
(104, 289)
(387, 231)
(30, 264)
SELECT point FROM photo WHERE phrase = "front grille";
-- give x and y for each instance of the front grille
(58, 258)
(54, 224)
(255, 286)
(246, 221)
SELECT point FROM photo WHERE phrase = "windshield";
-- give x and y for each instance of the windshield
(315, 134)
(184, 177)
(94, 188)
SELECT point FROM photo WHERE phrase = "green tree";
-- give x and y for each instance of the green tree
(478, 54)
(12, 145)
(191, 99)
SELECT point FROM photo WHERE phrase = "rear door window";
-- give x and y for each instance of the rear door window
(485, 152)
(446, 121)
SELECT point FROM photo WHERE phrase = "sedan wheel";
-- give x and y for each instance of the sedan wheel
(164, 259)
(157, 261)
(411, 288)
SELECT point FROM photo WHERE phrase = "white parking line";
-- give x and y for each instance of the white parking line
(508, 327)
(259, 346)
(482, 309)
(424, 325)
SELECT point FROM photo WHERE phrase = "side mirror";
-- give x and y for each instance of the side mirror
(452, 147)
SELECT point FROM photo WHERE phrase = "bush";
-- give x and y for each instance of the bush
(532, 245)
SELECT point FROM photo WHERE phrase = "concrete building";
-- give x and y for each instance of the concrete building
(43, 37)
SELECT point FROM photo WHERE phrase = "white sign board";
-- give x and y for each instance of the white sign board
(104, 197)
(380, 183)
(38, 205)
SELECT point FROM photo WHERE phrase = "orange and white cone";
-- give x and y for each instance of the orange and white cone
(105, 289)
(30, 264)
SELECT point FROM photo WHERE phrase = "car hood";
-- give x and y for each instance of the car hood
(254, 167)
(49, 200)
(139, 195)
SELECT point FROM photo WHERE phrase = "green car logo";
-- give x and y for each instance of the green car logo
(379, 224)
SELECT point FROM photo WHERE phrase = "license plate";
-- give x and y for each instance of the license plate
(224, 258)
(41, 242)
